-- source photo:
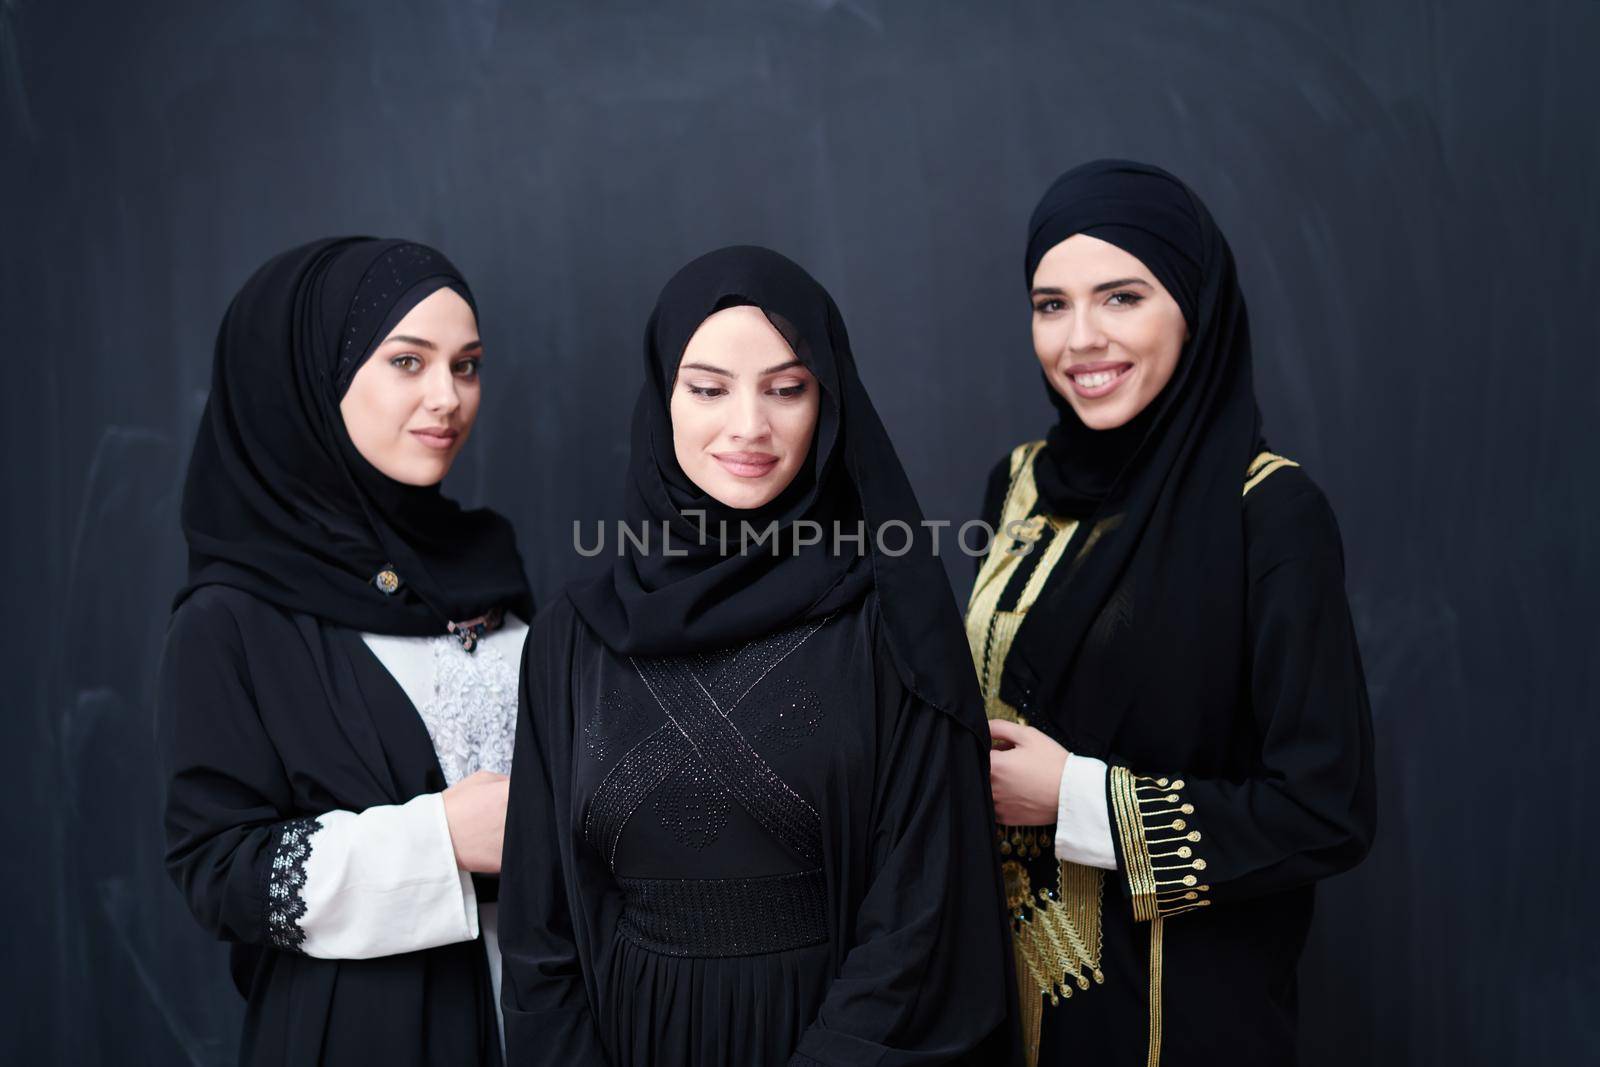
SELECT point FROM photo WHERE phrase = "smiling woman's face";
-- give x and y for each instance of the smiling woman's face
(744, 409)
(1106, 332)
(412, 404)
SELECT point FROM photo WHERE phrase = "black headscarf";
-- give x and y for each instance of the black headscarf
(652, 603)
(278, 501)
(1157, 607)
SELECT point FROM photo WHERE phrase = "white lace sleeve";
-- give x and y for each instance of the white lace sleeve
(380, 882)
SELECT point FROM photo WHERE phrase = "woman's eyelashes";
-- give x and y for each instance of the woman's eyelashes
(1123, 298)
(410, 363)
(783, 392)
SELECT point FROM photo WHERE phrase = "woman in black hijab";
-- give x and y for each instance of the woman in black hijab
(337, 693)
(750, 774)
(1166, 654)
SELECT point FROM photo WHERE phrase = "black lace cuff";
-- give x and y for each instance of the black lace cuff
(286, 880)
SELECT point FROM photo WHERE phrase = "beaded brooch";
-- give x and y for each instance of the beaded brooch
(470, 632)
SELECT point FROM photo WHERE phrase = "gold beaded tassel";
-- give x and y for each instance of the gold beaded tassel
(1030, 1006)
(1056, 938)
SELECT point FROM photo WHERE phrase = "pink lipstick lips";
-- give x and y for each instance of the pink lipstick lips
(437, 437)
(747, 464)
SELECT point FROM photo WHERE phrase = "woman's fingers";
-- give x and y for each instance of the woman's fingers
(1009, 732)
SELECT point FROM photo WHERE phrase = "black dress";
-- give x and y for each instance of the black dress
(273, 711)
(269, 718)
(754, 856)
(1224, 812)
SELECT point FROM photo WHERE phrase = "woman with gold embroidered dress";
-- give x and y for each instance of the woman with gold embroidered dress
(1183, 739)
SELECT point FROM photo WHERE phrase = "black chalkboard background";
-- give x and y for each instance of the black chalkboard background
(1412, 190)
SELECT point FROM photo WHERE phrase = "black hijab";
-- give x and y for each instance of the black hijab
(653, 603)
(1157, 608)
(278, 501)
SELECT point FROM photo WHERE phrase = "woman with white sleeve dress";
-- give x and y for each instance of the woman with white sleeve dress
(338, 689)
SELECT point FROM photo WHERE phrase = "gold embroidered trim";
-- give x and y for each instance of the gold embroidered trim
(1135, 854)
(1056, 932)
(1157, 845)
(1261, 467)
(1058, 937)
(1159, 860)
(1152, 1056)
(990, 631)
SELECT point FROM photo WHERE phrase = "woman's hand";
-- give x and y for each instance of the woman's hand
(1025, 774)
(475, 808)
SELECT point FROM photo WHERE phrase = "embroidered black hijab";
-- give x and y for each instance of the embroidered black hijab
(278, 501)
(1158, 605)
(653, 603)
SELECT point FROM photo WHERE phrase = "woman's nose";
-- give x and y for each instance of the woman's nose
(1084, 333)
(442, 395)
(750, 422)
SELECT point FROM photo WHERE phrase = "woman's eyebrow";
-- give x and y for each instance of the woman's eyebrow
(420, 342)
(474, 345)
(729, 374)
(1051, 290)
(1119, 283)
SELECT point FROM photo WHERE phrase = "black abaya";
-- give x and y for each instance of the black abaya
(749, 786)
(1271, 781)
(864, 936)
(268, 719)
(1178, 614)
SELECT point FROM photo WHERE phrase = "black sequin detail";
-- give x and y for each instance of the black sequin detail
(385, 281)
(614, 723)
(693, 806)
(698, 693)
(789, 718)
(636, 776)
(722, 749)
(722, 917)
(286, 879)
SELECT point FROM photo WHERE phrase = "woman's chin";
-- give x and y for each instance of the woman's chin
(1103, 415)
(1104, 419)
(420, 473)
(742, 498)
(741, 494)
